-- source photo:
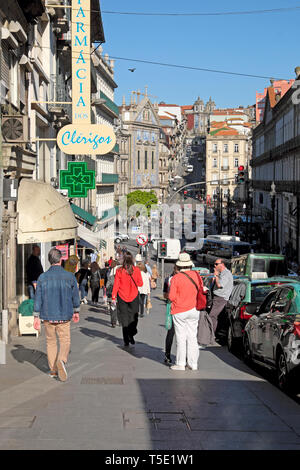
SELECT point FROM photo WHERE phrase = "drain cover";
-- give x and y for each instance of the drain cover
(17, 421)
(102, 381)
(157, 420)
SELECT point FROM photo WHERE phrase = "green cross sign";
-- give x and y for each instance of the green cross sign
(77, 179)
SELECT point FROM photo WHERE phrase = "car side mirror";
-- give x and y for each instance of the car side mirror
(280, 306)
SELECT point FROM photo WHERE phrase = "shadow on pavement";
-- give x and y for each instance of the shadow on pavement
(32, 356)
(139, 351)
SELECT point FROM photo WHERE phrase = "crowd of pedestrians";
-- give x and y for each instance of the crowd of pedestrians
(126, 285)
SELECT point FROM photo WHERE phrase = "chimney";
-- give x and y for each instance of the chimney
(272, 81)
(297, 71)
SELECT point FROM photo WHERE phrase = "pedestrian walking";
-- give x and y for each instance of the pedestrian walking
(95, 280)
(109, 288)
(82, 277)
(125, 293)
(154, 277)
(56, 303)
(34, 269)
(171, 331)
(184, 290)
(144, 290)
(147, 264)
(104, 276)
(222, 288)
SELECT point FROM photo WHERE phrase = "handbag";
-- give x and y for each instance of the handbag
(153, 284)
(168, 320)
(201, 297)
(148, 304)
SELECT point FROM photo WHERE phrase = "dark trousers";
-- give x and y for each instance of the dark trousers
(169, 340)
(217, 307)
(142, 299)
(131, 330)
(95, 293)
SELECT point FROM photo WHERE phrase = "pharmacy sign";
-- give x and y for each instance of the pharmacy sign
(81, 137)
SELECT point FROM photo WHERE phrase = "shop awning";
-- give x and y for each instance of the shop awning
(88, 237)
(84, 215)
(44, 215)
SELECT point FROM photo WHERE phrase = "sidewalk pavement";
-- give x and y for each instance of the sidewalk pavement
(118, 399)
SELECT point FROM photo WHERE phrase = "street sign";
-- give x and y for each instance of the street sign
(142, 239)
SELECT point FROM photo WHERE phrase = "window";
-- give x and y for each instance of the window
(236, 148)
(225, 148)
(236, 162)
(266, 305)
(139, 160)
(215, 148)
(215, 163)
(146, 160)
(261, 198)
(152, 161)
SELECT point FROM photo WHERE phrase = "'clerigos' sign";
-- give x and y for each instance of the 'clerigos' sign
(82, 137)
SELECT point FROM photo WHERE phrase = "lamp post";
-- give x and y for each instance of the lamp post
(273, 195)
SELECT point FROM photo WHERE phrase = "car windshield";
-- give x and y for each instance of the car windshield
(259, 291)
(277, 266)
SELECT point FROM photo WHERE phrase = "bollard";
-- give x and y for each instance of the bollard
(2, 352)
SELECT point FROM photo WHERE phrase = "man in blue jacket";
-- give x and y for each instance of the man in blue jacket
(56, 303)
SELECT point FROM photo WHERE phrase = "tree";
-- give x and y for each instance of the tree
(146, 198)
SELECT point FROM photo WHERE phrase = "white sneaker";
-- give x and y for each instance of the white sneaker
(200, 346)
(85, 301)
(176, 367)
(61, 370)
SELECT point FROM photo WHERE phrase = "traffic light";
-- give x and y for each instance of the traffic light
(162, 249)
(237, 233)
(241, 175)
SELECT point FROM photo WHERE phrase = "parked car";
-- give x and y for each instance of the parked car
(120, 237)
(190, 249)
(270, 263)
(190, 168)
(272, 335)
(247, 295)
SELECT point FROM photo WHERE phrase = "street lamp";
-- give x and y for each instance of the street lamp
(272, 196)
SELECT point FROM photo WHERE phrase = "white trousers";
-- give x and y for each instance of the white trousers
(186, 327)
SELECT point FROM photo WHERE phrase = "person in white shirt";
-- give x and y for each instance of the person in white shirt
(144, 290)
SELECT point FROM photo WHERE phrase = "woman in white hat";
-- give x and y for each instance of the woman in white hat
(183, 295)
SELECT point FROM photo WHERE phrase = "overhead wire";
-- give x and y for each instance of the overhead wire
(221, 13)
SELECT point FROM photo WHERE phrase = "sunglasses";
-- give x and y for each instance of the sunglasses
(216, 264)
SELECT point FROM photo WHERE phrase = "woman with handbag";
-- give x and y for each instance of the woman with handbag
(186, 294)
(154, 277)
(125, 294)
(144, 290)
(95, 282)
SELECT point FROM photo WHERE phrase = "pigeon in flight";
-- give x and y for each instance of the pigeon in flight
(131, 70)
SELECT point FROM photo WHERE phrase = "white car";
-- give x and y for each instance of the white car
(190, 168)
(120, 237)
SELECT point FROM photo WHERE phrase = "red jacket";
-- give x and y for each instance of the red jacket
(125, 286)
(183, 293)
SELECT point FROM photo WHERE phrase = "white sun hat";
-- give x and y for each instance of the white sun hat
(184, 260)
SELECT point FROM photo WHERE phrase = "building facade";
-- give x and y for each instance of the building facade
(276, 171)
(141, 125)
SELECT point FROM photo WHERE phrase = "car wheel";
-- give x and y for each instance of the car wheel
(247, 353)
(282, 372)
(118, 240)
(231, 341)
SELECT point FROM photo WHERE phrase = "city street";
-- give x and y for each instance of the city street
(119, 399)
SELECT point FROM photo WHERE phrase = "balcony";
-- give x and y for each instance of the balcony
(108, 178)
(59, 95)
(224, 168)
(107, 105)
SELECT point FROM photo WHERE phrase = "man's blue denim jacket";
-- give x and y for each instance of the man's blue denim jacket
(57, 295)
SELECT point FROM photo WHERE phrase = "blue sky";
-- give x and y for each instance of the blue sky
(265, 44)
